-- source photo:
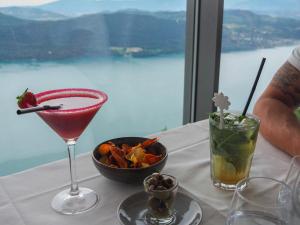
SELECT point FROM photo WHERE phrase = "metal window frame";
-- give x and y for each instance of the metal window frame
(202, 57)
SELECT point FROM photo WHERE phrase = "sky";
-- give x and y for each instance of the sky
(5, 3)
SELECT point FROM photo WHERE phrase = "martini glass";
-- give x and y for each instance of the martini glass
(79, 106)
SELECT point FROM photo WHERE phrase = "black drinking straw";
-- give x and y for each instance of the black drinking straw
(254, 85)
(38, 108)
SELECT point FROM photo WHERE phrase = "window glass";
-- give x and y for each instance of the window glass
(132, 50)
(254, 29)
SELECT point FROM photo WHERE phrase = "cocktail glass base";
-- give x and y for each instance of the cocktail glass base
(69, 204)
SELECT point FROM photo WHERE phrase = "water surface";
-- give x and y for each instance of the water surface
(145, 96)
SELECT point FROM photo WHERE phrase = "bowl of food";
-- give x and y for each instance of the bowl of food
(129, 159)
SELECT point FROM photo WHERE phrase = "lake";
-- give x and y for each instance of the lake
(145, 96)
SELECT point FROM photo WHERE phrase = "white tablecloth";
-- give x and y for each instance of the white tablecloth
(25, 197)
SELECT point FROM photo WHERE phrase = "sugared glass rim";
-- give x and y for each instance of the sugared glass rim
(252, 116)
(241, 186)
(160, 191)
(83, 91)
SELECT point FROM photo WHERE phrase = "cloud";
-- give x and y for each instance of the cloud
(6, 3)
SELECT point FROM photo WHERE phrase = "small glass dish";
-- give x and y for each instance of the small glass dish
(161, 190)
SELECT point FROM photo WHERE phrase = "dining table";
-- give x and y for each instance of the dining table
(25, 196)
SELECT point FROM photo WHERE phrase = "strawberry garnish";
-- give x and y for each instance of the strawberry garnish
(27, 99)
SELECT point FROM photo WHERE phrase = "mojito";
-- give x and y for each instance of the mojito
(231, 148)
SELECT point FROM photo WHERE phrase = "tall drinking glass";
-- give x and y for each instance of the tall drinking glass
(231, 148)
(79, 106)
(260, 201)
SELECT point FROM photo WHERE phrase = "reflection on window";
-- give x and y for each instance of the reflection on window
(132, 50)
(252, 30)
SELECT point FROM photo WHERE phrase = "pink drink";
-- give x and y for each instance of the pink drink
(79, 107)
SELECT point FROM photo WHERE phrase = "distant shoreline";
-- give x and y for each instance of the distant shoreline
(122, 57)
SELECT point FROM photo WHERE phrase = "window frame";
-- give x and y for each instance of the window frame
(204, 22)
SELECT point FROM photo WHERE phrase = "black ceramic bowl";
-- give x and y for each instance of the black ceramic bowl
(131, 175)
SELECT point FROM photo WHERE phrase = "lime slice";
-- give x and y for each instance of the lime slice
(222, 169)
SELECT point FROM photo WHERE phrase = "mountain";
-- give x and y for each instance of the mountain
(31, 13)
(290, 8)
(98, 34)
(245, 30)
(172, 15)
(276, 8)
(135, 33)
(10, 21)
(256, 5)
(80, 7)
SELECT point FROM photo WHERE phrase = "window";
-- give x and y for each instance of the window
(253, 30)
(132, 50)
(202, 57)
(227, 55)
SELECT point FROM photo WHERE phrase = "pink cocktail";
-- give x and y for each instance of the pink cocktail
(79, 106)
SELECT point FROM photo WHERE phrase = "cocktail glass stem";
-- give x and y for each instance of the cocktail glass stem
(72, 164)
(76, 199)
